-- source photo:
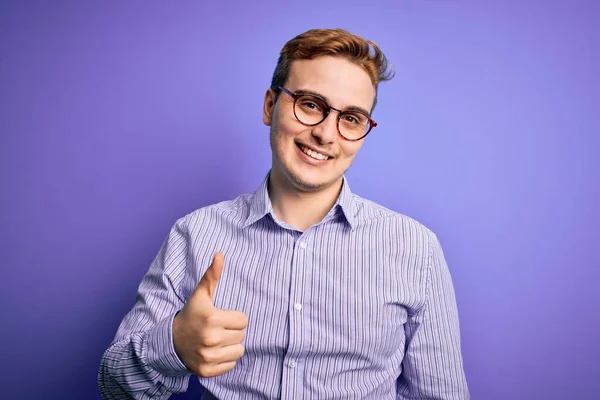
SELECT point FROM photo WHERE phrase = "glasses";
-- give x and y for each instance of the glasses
(311, 110)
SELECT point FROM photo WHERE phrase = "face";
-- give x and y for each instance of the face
(344, 85)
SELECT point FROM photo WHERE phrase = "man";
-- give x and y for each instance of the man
(301, 290)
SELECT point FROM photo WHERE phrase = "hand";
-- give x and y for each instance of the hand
(207, 339)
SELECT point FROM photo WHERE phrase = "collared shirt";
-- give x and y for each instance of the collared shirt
(359, 306)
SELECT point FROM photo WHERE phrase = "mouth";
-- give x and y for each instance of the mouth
(315, 155)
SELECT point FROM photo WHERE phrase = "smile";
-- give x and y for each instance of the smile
(313, 154)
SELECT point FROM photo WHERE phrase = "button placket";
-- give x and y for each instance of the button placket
(297, 334)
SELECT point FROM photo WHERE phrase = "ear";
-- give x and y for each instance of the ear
(268, 107)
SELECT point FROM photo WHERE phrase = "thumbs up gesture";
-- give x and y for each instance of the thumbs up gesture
(207, 339)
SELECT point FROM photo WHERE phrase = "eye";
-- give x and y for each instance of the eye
(351, 119)
(311, 105)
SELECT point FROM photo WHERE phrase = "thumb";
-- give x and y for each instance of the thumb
(208, 283)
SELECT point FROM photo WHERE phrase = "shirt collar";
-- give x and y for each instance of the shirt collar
(347, 203)
(260, 203)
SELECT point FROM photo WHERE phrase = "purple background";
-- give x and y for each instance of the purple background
(118, 119)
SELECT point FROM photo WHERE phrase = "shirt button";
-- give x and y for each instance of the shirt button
(298, 306)
(303, 245)
(292, 364)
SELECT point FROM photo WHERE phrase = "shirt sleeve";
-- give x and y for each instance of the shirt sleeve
(141, 362)
(433, 366)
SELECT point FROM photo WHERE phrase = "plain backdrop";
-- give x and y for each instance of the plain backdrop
(117, 118)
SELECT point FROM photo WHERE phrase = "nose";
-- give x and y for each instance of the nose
(326, 132)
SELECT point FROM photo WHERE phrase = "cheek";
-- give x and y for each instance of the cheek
(281, 139)
(283, 133)
(350, 149)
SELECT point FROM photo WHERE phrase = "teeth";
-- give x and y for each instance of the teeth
(313, 153)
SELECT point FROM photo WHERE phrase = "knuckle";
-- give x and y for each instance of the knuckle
(205, 371)
(211, 320)
(205, 356)
(208, 339)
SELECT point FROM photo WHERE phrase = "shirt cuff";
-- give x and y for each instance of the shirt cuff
(160, 351)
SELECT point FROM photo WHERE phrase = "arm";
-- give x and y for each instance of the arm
(141, 362)
(432, 366)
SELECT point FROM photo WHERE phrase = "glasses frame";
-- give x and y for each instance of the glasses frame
(296, 96)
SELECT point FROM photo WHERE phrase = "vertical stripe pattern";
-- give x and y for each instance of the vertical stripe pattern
(359, 306)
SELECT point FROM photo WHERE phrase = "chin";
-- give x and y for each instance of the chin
(309, 182)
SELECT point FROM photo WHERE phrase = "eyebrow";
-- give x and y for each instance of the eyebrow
(319, 95)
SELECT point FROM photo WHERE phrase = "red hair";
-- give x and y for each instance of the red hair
(332, 42)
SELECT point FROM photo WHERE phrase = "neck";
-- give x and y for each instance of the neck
(297, 208)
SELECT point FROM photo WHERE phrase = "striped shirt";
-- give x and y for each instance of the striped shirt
(359, 306)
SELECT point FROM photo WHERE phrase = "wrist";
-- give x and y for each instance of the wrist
(160, 345)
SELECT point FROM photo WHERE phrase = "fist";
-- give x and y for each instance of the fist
(207, 339)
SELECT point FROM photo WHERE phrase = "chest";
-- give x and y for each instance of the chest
(325, 293)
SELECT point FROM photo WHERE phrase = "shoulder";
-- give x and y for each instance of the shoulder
(369, 211)
(405, 228)
(229, 211)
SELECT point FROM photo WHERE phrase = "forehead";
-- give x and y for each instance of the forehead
(340, 81)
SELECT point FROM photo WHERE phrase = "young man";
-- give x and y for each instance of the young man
(301, 290)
